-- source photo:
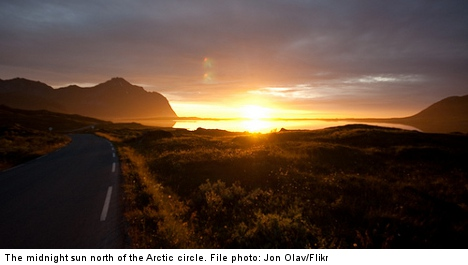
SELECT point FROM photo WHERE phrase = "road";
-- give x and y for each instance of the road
(66, 199)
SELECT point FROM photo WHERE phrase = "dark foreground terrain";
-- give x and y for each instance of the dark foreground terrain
(27, 134)
(19, 144)
(354, 186)
(66, 199)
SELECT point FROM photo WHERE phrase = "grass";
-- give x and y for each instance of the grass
(19, 144)
(345, 187)
(28, 134)
(43, 120)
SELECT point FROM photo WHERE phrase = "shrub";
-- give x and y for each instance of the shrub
(344, 187)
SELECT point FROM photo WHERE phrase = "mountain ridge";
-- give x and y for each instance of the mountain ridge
(113, 99)
(118, 99)
(449, 115)
(451, 107)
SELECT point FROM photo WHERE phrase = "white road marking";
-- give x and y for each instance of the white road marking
(105, 208)
(113, 154)
(113, 167)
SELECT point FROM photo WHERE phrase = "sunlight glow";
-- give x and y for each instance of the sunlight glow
(255, 118)
(253, 112)
(257, 126)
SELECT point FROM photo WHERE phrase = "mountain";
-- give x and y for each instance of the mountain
(453, 108)
(111, 100)
(445, 116)
(450, 115)
(26, 94)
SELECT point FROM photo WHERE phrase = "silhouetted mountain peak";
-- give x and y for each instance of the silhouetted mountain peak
(23, 84)
(118, 84)
(113, 99)
(71, 87)
(119, 81)
(445, 116)
(447, 108)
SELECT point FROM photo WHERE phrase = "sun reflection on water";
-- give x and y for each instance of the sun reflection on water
(259, 125)
(256, 125)
(270, 125)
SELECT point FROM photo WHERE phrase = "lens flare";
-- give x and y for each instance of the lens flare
(207, 63)
(208, 75)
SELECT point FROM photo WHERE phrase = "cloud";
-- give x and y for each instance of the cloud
(357, 48)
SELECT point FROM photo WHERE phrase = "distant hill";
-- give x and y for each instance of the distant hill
(111, 100)
(445, 116)
(450, 115)
(42, 120)
(454, 108)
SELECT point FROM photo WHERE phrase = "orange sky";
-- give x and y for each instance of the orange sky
(354, 58)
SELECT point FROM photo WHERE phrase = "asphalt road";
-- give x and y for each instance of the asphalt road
(66, 199)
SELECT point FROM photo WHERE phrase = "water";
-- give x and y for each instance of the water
(265, 126)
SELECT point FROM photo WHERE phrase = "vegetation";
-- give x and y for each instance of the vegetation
(27, 134)
(344, 187)
(19, 144)
(43, 120)
(353, 186)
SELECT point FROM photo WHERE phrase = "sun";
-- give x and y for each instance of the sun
(254, 112)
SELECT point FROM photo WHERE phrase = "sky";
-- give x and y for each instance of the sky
(210, 58)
